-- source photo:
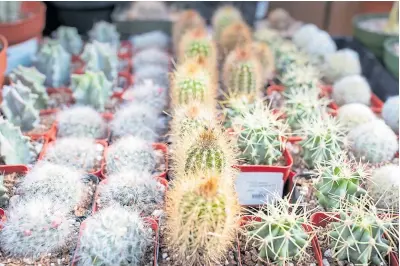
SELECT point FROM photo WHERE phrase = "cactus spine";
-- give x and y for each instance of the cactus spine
(187, 20)
(384, 187)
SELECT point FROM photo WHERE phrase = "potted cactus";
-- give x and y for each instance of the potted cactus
(10, 176)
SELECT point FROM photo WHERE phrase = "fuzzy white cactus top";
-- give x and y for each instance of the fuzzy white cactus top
(342, 63)
(351, 89)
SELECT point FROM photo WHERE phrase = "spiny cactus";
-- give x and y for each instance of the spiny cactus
(288, 61)
(4, 198)
(300, 77)
(325, 137)
(342, 63)
(70, 39)
(151, 56)
(373, 142)
(242, 72)
(158, 74)
(223, 17)
(138, 120)
(34, 80)
(130, 153)
(260, 135)
(77, 153)
(266, 58)
(91, 88)
(339, 180)
(104, 32)
(81, 121)
(136, 190)
(37, 227)
(234, 105)
(153, 39)
(10, 11)
(55, 63)
(390, 113)
(19, 106)
(14, 147)
(304, 35)
(278, 233)
(353, 114)
(235, 35)
(351, 89)
(202, 218)
(268, 36)
(187, 20)
(114, 236)
(280, 19)
(383, 187)
(101, 57)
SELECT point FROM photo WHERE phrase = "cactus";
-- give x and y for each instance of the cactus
(10, 11)
(392, 26)
(151, 56)
(136, 190)
(130, 153)
(353, 114)
(34, 80)
(325, 137)
(339, 180)
(266, 58)
(148, 10)
(287, 61)
(202, 218)
(55, 63)
(300, 77)
(187, 20)
(81, 121)
(77, 153)
(104, 32)
(373, 142)
(383, 187)
(351, 89)
(340, 64)
(70, 39)
(235, 35)
(280, 19)
(101, 57)
(14, 147)
(4, 198)
(148, 40)
(260, 135)
(269, 36)
(158, 74)
(390, 113)
(235, 105)
(19, 106)
(114, 236)
(137, 120)
(242, 72)
(91, 88)
(278, 233)
(223, 17)
(38, 227)
(305, 35)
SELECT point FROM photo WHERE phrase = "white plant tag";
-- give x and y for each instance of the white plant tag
(256, 188)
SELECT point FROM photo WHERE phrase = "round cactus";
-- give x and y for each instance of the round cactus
(342, 63)
(223, 17)
(148, 40)
(287, 61)
(266, 58)
(151, 56)
(390, 113)
(373, 142)
(296, 77)
(304, 35)
(4, 198)
(351, 89)
(235, 35)
(158, 74)
(353, 114)
(383, 187)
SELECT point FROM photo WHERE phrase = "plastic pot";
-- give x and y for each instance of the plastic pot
(2, 218)
(371, 39)
(390, 58)
(10, 169)
(51, 133)
(3, 58)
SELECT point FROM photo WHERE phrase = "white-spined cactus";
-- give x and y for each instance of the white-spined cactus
(223, 17)
(4, 193)
(10, 11)
(151, 56)
(342, 63)
(300, 77)
(70, 39)
(153, 39)
(373, 142)
(304, 35)
(157, 74)
(351, 89)
(104, 32)
(353, 114)
(390, 113)
(383, 187)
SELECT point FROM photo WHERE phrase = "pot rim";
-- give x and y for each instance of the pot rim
(363, 17)
(39, 10)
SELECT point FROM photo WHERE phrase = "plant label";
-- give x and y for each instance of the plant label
(257, 188)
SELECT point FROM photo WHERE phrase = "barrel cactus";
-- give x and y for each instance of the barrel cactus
(151, 56)
(235, 35)
(196, 43)
(187, 20)
(383, 187)
(223, 17)
(353, 114)
(300, 77)
(342, 63)
(266, 58)
(351, 89)
(70, 39)
(4, 198)
(10, 11)
(104, 32)
(390, 113)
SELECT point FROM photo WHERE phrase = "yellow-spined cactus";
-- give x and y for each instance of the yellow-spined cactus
(234, 35)
(223, 17)
(266, 58)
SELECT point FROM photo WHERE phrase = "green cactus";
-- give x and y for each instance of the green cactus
(198, 47)
(234, 105)
(10, 11)
(191, 89)
(300, 77)
(287, 61)
(3, 193)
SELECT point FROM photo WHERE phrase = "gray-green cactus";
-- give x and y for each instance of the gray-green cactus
(353, 114)
(390, 113)
(10, 11)
(19, 106)
(104, 32)
(234, 106)
(4, 198)
(300, 77)
(70, 39)
(351, 89)
(91, 88)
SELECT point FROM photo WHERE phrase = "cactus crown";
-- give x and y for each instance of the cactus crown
(148, 40)
(19, 106)
(92, 88)
(151, 56)
(70, 39)
(235, 35)
(354, 114)
(235, 104)
(300, 77)
(223, 17)
(10, 11)
(104, 32)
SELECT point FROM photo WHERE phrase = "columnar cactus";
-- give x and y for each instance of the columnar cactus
(19, 106)
(187, 20)
(70, 39)
(390, 113)
(148, 10)
(4, 198)
(104, 32)
(151, 56)
(14, 147)
(34, 80)
(158, 74)
(269, 36)
(153, 39)
(38, 227)
(10, 11)
(342, 63)
(373, 142)
(131, 154)
(300, 77)
(353, 114)
(383, 187)
(224, 17)
(235, 35)
(114, 236)
(202, 218)
(91, 88)
(351, 89)
(266, 58)
(81, 121)
(53, 61)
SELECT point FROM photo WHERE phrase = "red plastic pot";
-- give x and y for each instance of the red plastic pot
(51, 133)
(10, 169)
(153, 224)
(29, 27)
(2, 218)
(315, 246)
(3, 58)
(322, 219)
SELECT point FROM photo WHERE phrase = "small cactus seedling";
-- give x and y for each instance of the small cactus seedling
(34, 80)
(300, 77)
(10, 11)
(390, 113)
(104, 32)
(148, 40)
(81, 121)
(55, 63)
(384, 187)
(130, 153)
(373, 142)
(353, 114)
(37, 227)
(224, 17)
(114, 236)
(202, 218)
(156, 73)
(136, 190)
(187, 20)
(19, 106)
(339, 180)
(70, 39)
(151, 56)
(342, 63)
(266, 58)
(91, 88)
(235, 35)
(4, 198)
(351, 89)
